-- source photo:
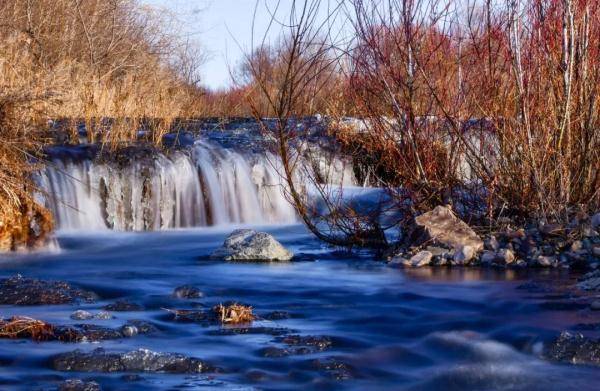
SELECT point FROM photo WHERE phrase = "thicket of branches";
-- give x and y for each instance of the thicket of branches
(500, 94)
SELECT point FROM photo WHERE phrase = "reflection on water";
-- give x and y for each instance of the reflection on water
(419, 329)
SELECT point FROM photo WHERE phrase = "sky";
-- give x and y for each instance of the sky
(223, 28)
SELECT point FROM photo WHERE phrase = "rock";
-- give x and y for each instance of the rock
(596, 251)
(441, 227)
(78, 385)
(141, 360)
(590, 281)
(142, 326)
(81, 315)
(129, 330)
(492, 244)
(574, 349)
(249, 245)
(187, 292)
(28, 291)
(577, 246)
(595, 306)
(547, 261)
(595, 220)
(488, 257)
(506, 256)
(464, 255)
(422, 258)
(123, 306)
(318, 343)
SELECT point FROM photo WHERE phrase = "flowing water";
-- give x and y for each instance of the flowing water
(426, 329)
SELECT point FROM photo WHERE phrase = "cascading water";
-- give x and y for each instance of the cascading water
(207, 185)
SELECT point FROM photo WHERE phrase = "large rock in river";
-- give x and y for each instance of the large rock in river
(249, 245)
(441, 227)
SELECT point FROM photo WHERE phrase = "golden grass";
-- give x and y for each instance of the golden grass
(234, 313)
(25, 327)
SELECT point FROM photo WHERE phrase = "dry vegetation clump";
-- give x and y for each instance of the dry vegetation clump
(82, 61)
(234, 313)
(25, 327)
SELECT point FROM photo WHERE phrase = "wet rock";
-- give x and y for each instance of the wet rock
(86, 333)
(141, 360)
(81, 315)
(334, 367)
(590, 281)
(28, 291)
(274, 331)
(123, 306)
(142, 326)
(574, 349)
(441, 227)
(318, 343)
(422, 258)
(129, 331)
(464, 255)
(187, 292)
(595, 306)
(78, 385)
(249, 245)
(277, 315)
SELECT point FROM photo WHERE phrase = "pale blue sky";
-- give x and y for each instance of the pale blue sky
(221, 26)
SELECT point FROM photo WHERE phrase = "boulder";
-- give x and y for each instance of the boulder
(423, 258)
(441, 227)
(249, 245)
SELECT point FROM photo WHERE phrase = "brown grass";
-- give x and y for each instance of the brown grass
(234, 313)
(25, 327)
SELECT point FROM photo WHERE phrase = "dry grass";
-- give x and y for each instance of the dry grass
(234, 313)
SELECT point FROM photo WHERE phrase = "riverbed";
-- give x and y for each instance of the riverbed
(386, 327)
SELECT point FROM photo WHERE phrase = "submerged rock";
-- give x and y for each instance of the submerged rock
(574, 349)
(249, 245)
(29, 291)
(123, 306)
(82, 315)
(590, 281)
(78, 385)
(441, 227)
(141, 360)
(187, 292)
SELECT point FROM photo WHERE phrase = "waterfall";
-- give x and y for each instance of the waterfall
(205, 185)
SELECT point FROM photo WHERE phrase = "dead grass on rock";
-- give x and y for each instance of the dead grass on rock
(234, 313)
(25, 327)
